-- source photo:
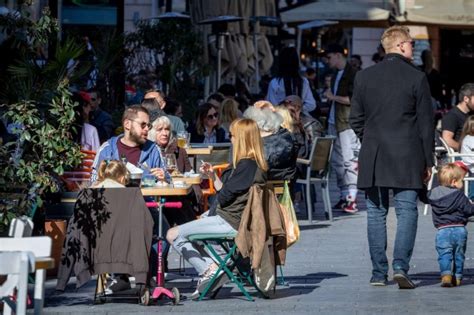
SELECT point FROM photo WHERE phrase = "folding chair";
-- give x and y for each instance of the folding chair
(317, 170)
(231, 261)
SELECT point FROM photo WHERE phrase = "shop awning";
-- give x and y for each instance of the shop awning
(335, 10)
(440, 12)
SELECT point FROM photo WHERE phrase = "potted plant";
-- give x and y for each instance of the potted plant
(36, 103)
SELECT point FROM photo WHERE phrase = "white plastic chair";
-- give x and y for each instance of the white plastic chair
(40, 246)
(16, 265)
(317, 170)
(21, 227)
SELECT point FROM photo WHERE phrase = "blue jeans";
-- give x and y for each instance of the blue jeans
(407, 221)
(451, 243)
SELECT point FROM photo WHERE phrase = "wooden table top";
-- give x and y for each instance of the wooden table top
(166, 191)
(199, 151)
(44, 263)
(188, 180)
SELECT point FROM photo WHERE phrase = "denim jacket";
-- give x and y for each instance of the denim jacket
(150, 154)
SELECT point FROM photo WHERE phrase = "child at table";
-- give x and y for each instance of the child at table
(451, 209)
(112, 174)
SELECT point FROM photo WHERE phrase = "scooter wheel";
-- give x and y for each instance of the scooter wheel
(177, 296)
(145, 297)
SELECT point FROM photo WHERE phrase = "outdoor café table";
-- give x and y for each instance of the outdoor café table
(198, 150)
(191, 180)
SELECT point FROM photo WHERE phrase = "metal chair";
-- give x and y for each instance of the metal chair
(317, 170)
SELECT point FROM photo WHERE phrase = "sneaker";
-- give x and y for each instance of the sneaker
(340, 204)
(447, 281)
(376, 282)
(404, 282)
(351, 205)
(204, 281)
(118, 284)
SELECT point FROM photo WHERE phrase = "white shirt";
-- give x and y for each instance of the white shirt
(467, 146)
(90, 138)
(276, 94)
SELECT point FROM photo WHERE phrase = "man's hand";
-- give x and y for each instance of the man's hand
(427, 175)
(329, 94)
(158, 173)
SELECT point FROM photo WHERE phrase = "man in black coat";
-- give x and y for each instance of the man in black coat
(391, 113)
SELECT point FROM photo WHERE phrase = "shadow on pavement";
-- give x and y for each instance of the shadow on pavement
(433, 278)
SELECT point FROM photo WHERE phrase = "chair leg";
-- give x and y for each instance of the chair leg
(39, 290)
(327, 199)
(428, 187)
(309, 206)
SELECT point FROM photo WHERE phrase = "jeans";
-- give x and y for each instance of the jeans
(195, 253)
(407, 221)
(451, 243)
(344, 160)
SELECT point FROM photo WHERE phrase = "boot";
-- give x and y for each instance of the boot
(446, 281)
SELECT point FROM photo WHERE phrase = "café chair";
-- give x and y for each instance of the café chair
(80, 176)
(211, 191)
(317, 171)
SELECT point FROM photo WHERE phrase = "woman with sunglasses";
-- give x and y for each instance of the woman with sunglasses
(207, 129)
(248, 168)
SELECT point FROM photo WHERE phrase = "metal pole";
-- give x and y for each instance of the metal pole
(256, 31)
(220, 46)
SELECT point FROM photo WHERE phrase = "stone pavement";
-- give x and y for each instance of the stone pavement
(328, 272)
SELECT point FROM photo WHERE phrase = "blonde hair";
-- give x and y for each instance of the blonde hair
(450, 172)
(114, 170)
(288, 122)
(263, 105)
(467, 129)
(229, 111)
(247, 142)
(162, 120)
(394, 34)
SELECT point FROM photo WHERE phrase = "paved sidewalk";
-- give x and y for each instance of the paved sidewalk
(328, 272)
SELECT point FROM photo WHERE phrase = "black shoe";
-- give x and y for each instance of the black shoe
(378, 282)
(340, 204)
(117, 285)
(404, 282)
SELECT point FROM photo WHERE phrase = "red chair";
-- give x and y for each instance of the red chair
(207, 192)
(80, 176)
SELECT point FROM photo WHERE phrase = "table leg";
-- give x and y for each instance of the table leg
(39, 290)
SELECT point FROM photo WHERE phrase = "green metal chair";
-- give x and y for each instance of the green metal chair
(231, 261)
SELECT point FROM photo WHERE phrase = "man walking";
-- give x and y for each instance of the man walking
(347, 145)
(392, 114)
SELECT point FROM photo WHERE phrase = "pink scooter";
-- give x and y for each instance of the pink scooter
(160, 289)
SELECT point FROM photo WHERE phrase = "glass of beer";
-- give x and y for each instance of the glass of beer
(183, 139)
(171, 164)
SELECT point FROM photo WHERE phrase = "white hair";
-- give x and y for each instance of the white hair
(160, 121)
(266, 119)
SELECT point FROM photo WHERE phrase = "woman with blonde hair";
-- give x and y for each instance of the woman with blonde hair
(288, 122)
(229, 111)
(248, 167)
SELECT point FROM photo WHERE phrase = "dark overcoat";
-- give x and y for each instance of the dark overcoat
(391, 113)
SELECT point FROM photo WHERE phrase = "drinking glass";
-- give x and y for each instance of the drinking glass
(148, 180)
(171, 164)
(183, 139)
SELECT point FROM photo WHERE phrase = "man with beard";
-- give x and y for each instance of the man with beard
(132, 146)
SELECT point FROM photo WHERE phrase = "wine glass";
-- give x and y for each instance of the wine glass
(171, 164)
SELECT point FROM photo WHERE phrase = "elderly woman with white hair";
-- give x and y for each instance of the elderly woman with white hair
(280, 146)
(161, 134)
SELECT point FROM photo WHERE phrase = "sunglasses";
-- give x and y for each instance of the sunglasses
(142, 124)
(93, 99)
(211, 116)
(412, 43)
